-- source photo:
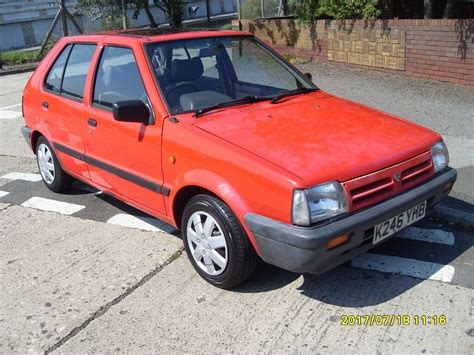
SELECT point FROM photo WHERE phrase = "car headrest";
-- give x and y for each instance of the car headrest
(186, 69)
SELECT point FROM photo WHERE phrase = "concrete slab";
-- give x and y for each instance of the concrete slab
(280, 312)
(55, 276)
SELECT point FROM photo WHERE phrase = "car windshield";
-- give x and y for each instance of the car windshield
(197, 73)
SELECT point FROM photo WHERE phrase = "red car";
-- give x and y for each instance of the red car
(218, 135)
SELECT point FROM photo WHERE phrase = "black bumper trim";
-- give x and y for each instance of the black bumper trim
(26, 131)
(303, 249)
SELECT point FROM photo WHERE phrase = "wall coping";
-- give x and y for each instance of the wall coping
(378, 22)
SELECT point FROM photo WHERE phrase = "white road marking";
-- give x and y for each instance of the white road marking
(3, 193)
(404, 266)
(427, 235)
(9, 115)
(145, 223)
(22, 176)
(11, 106)
(45, 204)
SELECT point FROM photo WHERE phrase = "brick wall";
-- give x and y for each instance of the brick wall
(431, 49)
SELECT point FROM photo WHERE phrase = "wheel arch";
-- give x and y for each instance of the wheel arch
(35, 135)
(206, 182)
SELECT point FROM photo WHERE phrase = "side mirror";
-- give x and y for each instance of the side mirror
(309, 76)
(131, 111)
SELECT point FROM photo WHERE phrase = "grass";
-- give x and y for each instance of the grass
(19, 57)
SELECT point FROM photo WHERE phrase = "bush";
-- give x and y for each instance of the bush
(348, 9)
(308, 11)
(19, 57)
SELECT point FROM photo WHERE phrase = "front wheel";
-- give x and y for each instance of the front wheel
(216, 243)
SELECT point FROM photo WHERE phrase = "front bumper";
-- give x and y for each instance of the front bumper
(303, 249)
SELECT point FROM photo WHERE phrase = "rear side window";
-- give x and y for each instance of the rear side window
(55, 75)
(118, 78)
(76, 70)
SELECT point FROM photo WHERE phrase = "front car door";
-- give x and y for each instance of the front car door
(123, 157)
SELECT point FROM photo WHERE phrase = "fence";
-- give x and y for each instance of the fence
(24, 23)
(431, 49)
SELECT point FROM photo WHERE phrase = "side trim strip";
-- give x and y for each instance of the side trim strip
(147, 184)
(69, 151)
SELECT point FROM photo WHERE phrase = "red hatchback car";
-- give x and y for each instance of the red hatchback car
(218, 135)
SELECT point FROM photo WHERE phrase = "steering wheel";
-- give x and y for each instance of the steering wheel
(175, 86)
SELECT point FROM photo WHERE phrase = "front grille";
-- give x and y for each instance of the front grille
(369, 189)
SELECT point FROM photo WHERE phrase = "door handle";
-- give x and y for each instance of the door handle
(44, 104)
(92, 122)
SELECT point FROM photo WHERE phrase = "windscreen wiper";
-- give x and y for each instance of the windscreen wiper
(243, 100)
(298, 91)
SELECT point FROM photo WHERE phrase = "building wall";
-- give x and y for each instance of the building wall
(431, 49)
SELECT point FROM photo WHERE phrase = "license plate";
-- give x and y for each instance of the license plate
(397, 223)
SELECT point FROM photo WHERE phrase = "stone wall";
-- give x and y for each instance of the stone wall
(430, 49)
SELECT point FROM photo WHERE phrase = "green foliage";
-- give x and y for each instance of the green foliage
(227, 26)
(107, 13)
(308, 11)
(290, 57)
(19, 57)
(348, 9)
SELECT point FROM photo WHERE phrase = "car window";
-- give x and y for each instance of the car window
(53, 81)
(76, 70)
(118, 78)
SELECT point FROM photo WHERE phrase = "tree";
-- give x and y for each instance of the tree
(309, 10)
(108, 12)
(348, 9)
(305, 10)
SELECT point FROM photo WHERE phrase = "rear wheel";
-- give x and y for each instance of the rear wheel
(216, 243)
(54, 177)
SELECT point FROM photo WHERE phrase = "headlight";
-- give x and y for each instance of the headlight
(440, 156)
(318, 203)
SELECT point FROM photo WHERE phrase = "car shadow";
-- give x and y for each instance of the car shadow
(342, 286)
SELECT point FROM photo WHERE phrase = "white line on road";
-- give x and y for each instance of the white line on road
(45, 204)
(22, 176)
(9, 115)
(404, 266)
(145, 223)
(11, 106)
(427, 235)
(3, 193)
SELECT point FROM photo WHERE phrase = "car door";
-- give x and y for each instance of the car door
(123, 157)
(63, 108)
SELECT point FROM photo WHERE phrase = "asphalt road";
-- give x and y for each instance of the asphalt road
(97, 275)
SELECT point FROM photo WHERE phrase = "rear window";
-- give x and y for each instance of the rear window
(76, 70)
(55, 75)
(68, 74)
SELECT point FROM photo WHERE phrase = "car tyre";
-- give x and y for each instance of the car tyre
(53, 175)
(217, 245)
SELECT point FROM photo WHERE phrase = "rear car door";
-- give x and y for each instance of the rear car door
(123, 157)
(62, 105)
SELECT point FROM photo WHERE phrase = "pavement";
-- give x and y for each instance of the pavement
(98, 275)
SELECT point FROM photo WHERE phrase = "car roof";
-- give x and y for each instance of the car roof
(160, 34)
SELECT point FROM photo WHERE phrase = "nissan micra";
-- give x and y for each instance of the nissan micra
(219, 136)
